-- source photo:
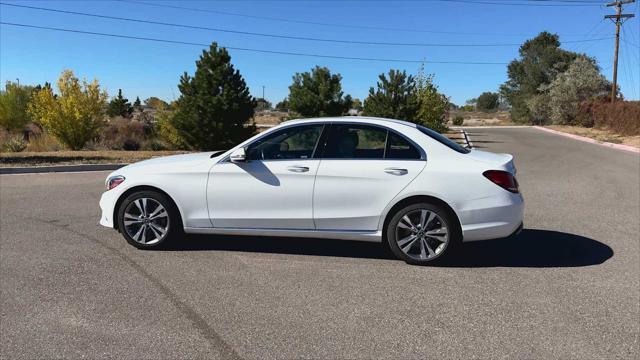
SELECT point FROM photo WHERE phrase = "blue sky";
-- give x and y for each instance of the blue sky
(146, 69)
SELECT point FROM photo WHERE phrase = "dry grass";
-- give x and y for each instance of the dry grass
(77, 157)
(599, 134)
(480, 118)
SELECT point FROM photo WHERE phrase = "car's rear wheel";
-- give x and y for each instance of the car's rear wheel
(422, 233)
(149, 220)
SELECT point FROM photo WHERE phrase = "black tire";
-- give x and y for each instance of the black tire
(452, 229)
(173, 223)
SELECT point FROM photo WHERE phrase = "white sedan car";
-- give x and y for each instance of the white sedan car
(354, 178)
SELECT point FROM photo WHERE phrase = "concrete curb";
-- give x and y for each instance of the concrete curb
(60, 168)
(589, 140)
(491, 127)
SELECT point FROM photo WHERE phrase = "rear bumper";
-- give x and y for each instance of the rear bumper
(492, 218)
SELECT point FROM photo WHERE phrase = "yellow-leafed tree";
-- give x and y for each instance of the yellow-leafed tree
(75, 115)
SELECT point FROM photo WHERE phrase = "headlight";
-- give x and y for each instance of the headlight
(114, 181)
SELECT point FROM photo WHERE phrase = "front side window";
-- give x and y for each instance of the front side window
(347, 141)
(296, 142)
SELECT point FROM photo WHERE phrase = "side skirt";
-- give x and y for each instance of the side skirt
(372, 236)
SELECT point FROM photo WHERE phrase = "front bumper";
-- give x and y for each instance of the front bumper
(107, 204)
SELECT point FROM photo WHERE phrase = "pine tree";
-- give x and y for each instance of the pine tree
(137, 104)
(120, 106)
(394, 98)
(318, 93)
(215, 105)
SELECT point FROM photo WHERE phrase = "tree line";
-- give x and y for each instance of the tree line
(215, 108)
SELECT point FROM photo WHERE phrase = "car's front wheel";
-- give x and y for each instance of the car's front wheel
(422, 233)
(149, 220)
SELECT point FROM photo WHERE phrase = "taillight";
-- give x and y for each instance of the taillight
(504, 179)
(114, 181)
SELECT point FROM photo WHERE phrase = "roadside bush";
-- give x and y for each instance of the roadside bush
(622, 117)
(458, 120)
(166, 132)
(43, 142)
(14, 143)
(123, 134)
(75, 115)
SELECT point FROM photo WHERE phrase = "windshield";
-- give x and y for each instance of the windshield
(444, 140)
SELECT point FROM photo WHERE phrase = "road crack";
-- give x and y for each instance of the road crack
(226, 351)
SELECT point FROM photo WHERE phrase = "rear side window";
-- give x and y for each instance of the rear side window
(352, 141)
(443, 140)
(355, 142)
(399, 148)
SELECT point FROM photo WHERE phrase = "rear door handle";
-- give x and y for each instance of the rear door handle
(299, 169)
(396, 171)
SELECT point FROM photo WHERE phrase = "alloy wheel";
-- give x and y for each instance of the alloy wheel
(146, 221)
(422, 234)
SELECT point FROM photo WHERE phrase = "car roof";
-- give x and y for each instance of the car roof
(351, 119)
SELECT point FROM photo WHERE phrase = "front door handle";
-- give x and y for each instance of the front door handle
(396, 171)
(299, 169)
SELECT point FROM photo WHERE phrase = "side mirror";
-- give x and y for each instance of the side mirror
(238, 155)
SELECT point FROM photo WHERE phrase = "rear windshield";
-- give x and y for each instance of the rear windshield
(444, 140)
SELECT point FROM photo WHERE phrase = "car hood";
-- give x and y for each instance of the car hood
(498, 160)
(176, 161)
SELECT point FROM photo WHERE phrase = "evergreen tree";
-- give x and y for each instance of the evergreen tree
(137, 104)
(215, 105)
(283, 105)
(394, 98)
(318, 93)
(119, 106)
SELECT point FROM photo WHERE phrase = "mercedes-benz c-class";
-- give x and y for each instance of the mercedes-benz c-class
(356, 178)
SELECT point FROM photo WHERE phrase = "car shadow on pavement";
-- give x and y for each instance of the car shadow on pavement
(532, 248)
(283, 245)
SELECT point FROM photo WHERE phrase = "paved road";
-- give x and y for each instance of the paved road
(568, 287)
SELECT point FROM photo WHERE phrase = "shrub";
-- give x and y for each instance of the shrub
(13, 106)
(458, 120)
(432, 105)
(155, 145)
(166, 132)
(581, 81)
(74, 116)
(123, 134)
(488, 101)
(15, 143)
(43, 142)
(622, 117)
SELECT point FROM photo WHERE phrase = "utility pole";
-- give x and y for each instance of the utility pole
(262, 92)
(618, 19)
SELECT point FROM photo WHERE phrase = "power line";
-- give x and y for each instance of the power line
(306, 22)
(533, 3)
(250, 49)
(359, 42)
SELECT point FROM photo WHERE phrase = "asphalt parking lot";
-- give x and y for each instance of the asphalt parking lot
(567, 287)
